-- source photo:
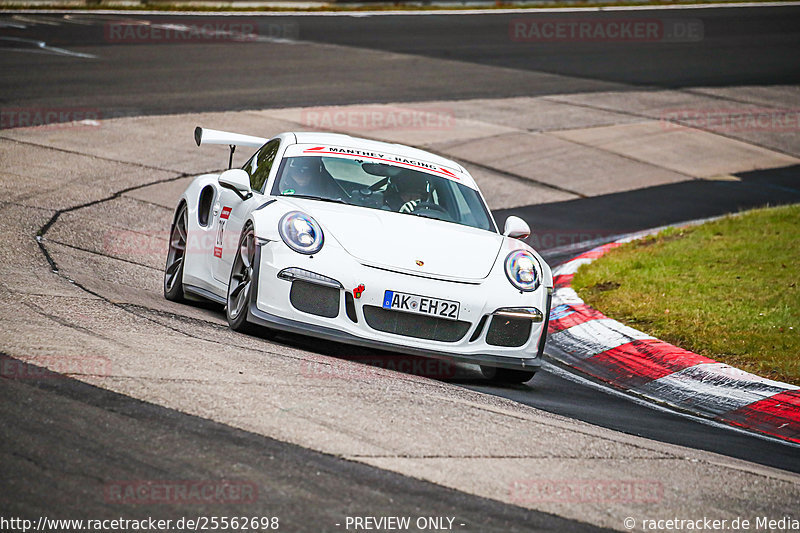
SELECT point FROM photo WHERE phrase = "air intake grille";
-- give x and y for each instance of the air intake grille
(315, 299)
(417, 326)
(510, 332)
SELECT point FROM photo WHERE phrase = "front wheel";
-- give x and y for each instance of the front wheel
(241, 282)
(173, 271)
(506, 375)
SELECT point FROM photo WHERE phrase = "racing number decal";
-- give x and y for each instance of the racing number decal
(223, 218)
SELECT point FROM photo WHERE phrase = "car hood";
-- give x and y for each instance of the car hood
(401, 242)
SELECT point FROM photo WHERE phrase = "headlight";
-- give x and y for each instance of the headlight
(301, 233)
(523, 270)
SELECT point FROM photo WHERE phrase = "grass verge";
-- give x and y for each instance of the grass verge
(727, 289)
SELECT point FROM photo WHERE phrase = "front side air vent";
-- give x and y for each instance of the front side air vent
(314, 299)
(204, 205)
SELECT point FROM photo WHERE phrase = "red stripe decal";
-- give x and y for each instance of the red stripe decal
(778, 415)
(359, 156)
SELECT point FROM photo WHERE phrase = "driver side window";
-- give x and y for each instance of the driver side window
(260, 164)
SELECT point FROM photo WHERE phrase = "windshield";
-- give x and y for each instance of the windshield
(381, 186)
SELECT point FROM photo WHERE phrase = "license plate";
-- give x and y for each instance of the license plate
(423, 305)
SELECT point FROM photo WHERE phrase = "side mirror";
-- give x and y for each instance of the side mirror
(516, 228)
(238, 181)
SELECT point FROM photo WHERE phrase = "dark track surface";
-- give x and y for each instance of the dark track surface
(65, 444)
(744, 47)
(740, 46)
(555, 394)
(601, 217)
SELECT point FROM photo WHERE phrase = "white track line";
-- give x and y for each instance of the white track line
(42, 48)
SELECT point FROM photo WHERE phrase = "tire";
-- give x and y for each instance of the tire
(173, 270)
(506, 375)
(240, 284)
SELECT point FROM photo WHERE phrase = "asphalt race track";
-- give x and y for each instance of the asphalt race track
(335, 61)
(193, 448)
(437, 58)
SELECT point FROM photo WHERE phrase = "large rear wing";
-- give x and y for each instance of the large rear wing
(206, 136)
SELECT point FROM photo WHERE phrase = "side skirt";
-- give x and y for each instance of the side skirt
(205, 294)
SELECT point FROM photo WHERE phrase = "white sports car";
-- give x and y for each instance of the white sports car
(361, 242)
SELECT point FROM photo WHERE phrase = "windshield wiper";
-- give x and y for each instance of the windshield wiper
(420, 215)
(320, 198)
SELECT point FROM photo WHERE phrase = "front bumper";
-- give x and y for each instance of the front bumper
(270, 306)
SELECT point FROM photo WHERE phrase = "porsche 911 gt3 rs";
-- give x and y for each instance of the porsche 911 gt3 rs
(361, 242)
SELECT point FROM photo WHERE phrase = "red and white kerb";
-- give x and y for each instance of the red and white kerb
(627, 359)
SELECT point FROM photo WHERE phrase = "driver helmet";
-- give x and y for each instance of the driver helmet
(411, 186)
(303, 170)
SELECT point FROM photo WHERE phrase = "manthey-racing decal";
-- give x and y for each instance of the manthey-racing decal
(223, 219)
(379, 156)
